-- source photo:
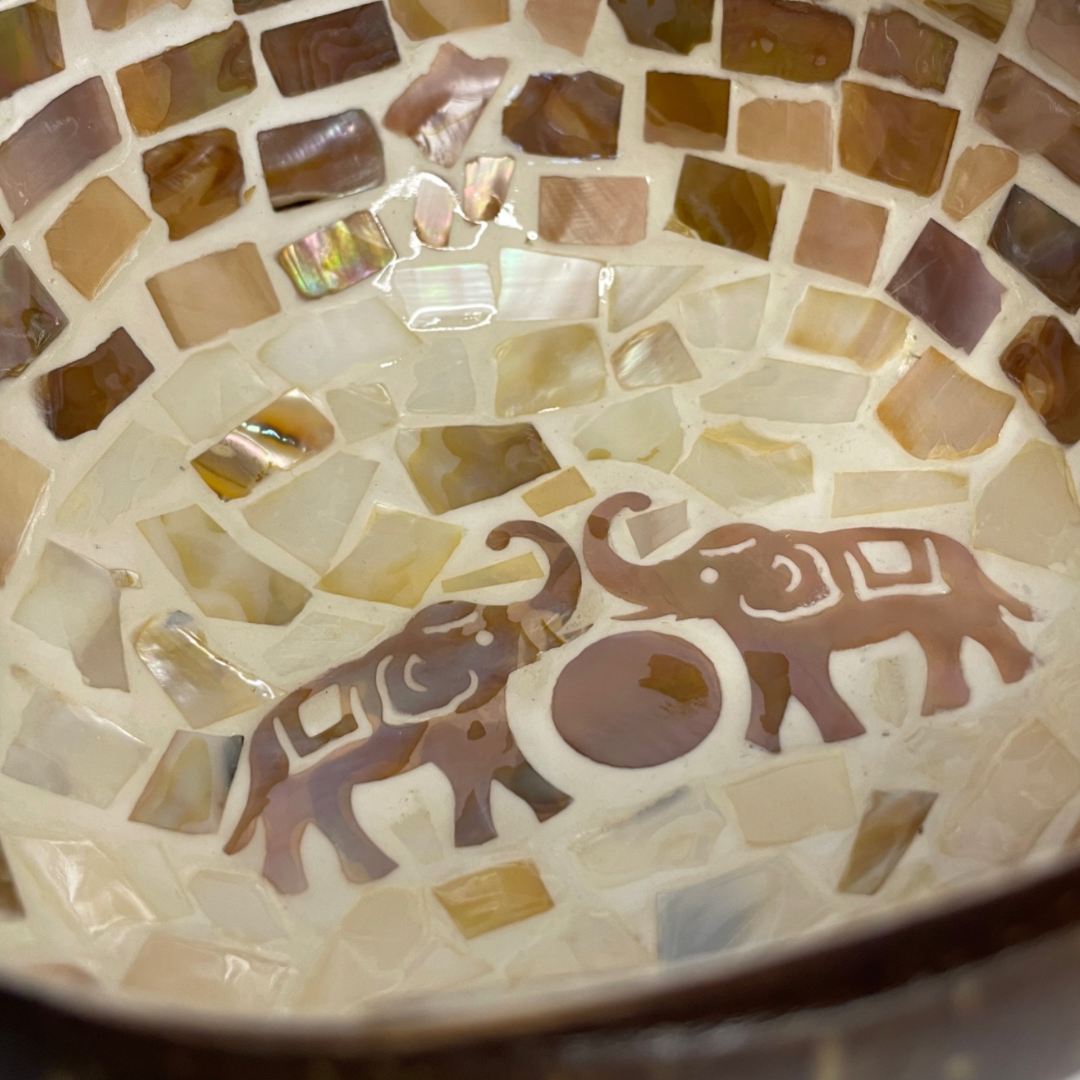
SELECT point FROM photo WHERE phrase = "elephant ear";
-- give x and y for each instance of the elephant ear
(783, 575)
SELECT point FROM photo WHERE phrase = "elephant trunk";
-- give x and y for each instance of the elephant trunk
(629, 581)
(556, 602)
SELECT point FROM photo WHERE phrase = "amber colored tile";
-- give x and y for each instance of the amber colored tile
(76, 398)
(1042, 244)
(494, 897)
(321, 159)
(1054, 31)
(90, 240)
(1032, 117)
(896, 45)
(571, 116)
(30, 319)
(188, 80)
(565, 489)
(566, 24)
(788, 39)
(792, 132)
(34, 162)
(687, 111)
(196, 180)
(116, 14)
(937, 411)
(979, 172)
(603, 210)
(30, 47)
(422, 19)
(439, 110)
(987, 18)
(329, 49)
(1044, 361)
(944, 282)
(899, 140)
(22, 487)
(723, 205)
(841, 236)
(674, 27)
(203, 299)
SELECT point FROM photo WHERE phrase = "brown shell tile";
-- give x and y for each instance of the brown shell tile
(788, 39)
(1042, 244)
(203, 299)
(90, 240)
(936, 411)
(889, 825)
(944, 282)
(329, 49)
(727, 206)
(30, 44)
(674, 26)
(790, 132)
(422, 19)
(10, 901)
(77, 397)
(841, 236)
(188, 80)
(896, 139)
(600, 210)
(30, 319)
(979, 172)
(33, 163)
(466, 463)
(22, 486)
(321, 159)
(566, 24)
(572, 116)
(1032, 117)
(1054, 31)
(1044, 361)
(687, 111)
(896, 45)
(439, 110)
(196, 180)
(116, 14)
(987, 18)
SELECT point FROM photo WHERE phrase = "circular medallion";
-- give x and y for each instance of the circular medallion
(638, 699)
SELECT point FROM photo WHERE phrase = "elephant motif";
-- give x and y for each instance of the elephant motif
(790, 599)
(455, 656)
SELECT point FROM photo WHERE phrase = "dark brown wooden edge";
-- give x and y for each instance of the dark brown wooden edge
(780, 1011)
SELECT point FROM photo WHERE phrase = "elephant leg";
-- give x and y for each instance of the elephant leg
(473, 823)
(543, 798)
(1013, 660)
(361, 859)
(812, 685)
(285, 823)
(946, 687)
(770, 689)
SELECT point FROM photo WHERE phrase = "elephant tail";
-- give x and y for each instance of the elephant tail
(557, 600)
(268, 766)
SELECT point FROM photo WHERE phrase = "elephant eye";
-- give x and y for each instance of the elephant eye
(484, 637)
(710, 575)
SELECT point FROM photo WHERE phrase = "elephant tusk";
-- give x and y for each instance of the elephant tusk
(792, 569)
(831, 598)
(734, 549)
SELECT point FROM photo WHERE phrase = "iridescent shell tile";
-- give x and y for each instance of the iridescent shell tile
(337, 256)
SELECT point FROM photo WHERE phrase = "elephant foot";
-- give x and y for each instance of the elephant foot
(543, 798)
(758, 735)
(841, 730)
(474, 824)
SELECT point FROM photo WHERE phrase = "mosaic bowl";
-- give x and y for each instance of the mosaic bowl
(510, 511)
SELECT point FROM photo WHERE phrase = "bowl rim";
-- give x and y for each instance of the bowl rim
(852, 963)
